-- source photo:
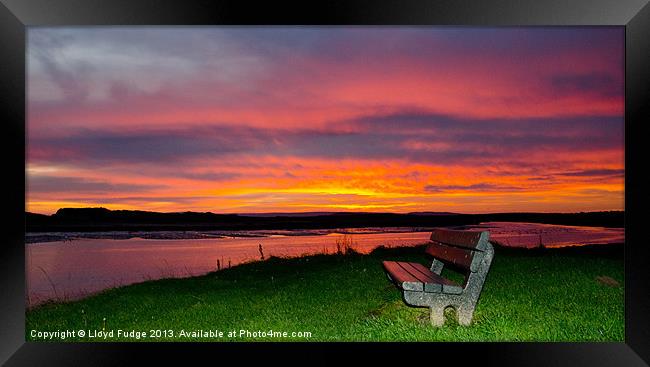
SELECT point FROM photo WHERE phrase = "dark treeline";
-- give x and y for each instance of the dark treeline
(101, 219)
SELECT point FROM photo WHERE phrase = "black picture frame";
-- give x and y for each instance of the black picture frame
(16, 15)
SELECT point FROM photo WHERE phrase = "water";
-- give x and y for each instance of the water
(71, 269)
(531, 235)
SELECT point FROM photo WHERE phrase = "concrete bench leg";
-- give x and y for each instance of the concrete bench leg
(437, 316)
(465, 314)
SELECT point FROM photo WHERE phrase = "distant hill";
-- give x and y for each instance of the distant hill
(103, 215)
(36, 219)
(432, 213)
(303, 214)
(102, 219)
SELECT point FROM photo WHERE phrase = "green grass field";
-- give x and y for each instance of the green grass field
(529, 295)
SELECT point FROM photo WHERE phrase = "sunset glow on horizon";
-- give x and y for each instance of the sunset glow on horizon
(300, 119)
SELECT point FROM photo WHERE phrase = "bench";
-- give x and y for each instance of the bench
(469, 252)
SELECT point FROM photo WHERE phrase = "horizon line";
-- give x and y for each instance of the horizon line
(334, 212)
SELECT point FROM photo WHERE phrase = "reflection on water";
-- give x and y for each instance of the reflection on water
(71, 269)
(532, 235)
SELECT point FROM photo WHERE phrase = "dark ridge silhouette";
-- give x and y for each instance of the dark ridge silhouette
(432, 213)
(102, 219)
(281, 214)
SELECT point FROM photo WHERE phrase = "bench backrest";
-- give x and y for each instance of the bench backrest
(463, 249)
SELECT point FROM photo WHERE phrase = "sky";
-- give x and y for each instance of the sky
(297, 119)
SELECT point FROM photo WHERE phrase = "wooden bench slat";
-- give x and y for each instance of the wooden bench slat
(437, 283)
(403, 278)
(419, 271)
(467, 239)
(454, 255)
(432, 282)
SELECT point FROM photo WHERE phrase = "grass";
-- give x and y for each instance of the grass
(529, 295)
